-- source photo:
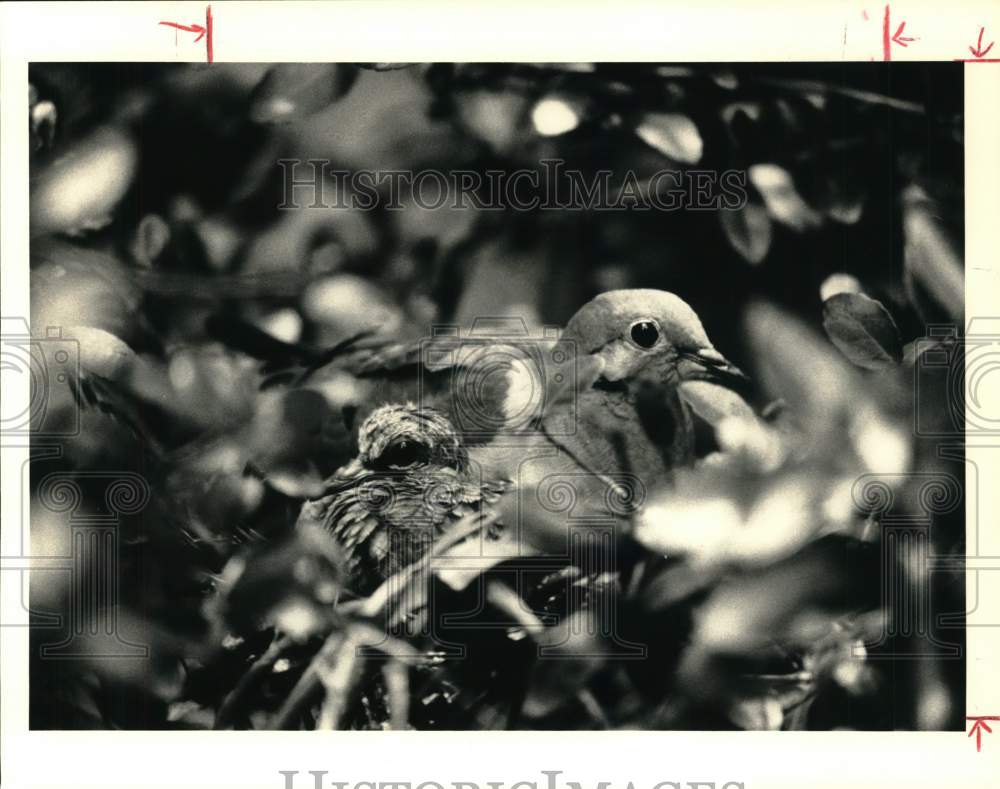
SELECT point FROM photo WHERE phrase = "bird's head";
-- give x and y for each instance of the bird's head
(648, 333)
(405, 437)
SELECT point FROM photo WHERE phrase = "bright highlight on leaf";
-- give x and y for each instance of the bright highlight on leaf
(783, 202)
(553, 116)
(673, 135)
(839, 283)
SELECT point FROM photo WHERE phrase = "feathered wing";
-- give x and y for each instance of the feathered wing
(385, 528)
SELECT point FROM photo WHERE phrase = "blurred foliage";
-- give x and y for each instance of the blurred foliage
(754, 578)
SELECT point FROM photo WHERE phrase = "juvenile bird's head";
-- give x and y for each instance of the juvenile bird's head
(403, 436)
(385, 508)
(648, 333)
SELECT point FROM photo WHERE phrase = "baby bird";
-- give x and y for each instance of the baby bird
(410, 480)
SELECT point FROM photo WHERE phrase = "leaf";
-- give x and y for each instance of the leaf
(384, 66)
(757, 714)
(492, 117)
(292, 91)
(673, 135)
(748, 230)
(101, 352)
(784, 203)
(151, 238)
(713, 402)
(930, 255)
(80, 189)
(863, 330)
(839, 283)
(555, 115)
(795, 364)
(462, 564)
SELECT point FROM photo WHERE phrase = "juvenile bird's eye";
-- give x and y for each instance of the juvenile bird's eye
(404, 454)
(645, 333)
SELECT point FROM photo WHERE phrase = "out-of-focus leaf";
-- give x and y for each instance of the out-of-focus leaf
(101, 352)
(784, 203)
(284, 324)
(75, 286)
(729, 516)
(570, 654)
(151, 238)
(556, 115)
(757, 714)
(713, 402)
(492, 117)
(288, 244)
(345, 304)
(80, 189)
(829, 577)
(798, 366)
(292, 91)
(213, 385)
(461, 564)
(44, 118)
(748, 230)
(741, 119)
(385, 66)
(931, 257)
(293, 585)
(673, 135)
(839, 283)
(692, 524)
(725, 79)
(831, 402)
(863, 330)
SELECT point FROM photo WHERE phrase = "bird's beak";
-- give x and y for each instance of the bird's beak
(707, 364)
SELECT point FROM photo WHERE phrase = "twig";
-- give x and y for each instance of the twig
(306, 688)
(397, 689)
(593, 707)
(337, 673)
(512, 604)
(866, 96)
(233, 703)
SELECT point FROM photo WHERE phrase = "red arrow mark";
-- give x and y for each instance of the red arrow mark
(979, 725)
(899, 38)
(979, 52)
(895, 38)
(188, 29)
(201, 31)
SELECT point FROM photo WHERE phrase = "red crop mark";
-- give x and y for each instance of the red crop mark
(886, 41)
(978, 726)
(208, 25)
(203, 32)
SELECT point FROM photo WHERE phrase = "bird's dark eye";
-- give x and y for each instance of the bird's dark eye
(404, 454)
(645, 334)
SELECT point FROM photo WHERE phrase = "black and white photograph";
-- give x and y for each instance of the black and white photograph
(495, 396)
